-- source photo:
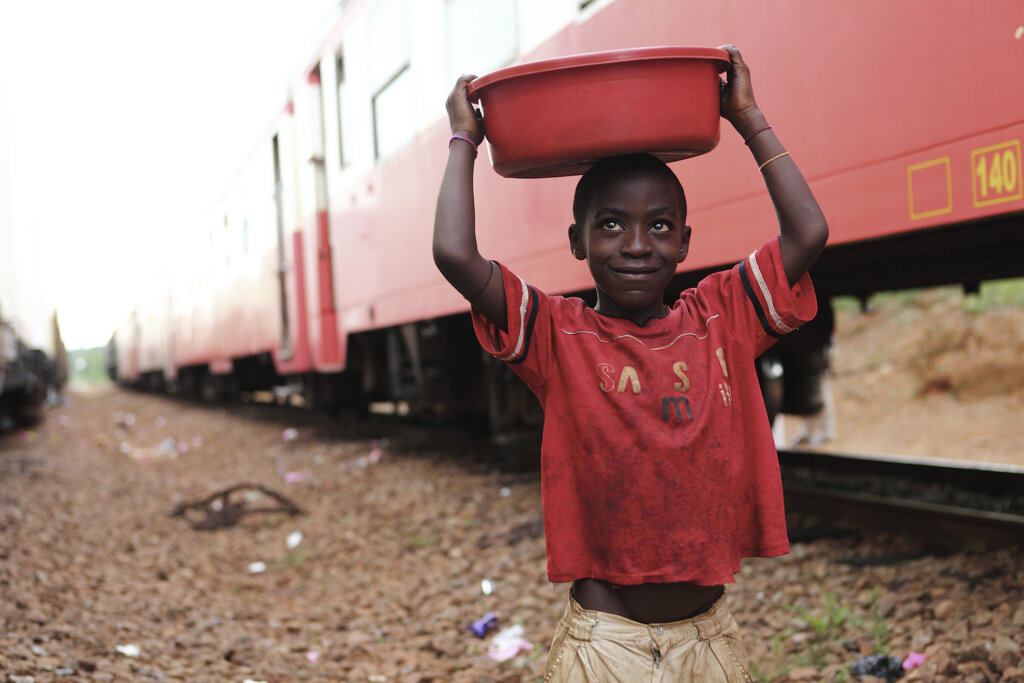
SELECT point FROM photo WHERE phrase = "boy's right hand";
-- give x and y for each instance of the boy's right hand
(464, 118)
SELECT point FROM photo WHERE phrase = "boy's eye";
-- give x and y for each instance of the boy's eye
(610, 224)
(660, 226)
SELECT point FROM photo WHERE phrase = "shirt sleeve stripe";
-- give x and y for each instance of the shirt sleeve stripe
(521, 324)
(529, 326)
(745, 279)
(781, 326)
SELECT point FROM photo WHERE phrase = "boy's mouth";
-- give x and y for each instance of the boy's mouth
(635, 271)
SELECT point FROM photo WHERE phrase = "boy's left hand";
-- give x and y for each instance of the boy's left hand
(735, 95)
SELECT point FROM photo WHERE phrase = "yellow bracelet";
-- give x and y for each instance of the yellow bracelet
(777, 156)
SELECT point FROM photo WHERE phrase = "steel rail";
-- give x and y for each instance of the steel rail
(945, 501)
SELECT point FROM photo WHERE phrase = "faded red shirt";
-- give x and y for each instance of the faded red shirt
(657, 462)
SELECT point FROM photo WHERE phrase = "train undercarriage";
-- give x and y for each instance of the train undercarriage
(434, 371)
(27, 378)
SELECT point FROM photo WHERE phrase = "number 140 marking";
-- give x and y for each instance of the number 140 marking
(997, 173)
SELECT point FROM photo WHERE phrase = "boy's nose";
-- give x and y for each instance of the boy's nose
(637, 242)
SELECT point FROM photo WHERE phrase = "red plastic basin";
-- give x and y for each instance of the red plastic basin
(557, 117)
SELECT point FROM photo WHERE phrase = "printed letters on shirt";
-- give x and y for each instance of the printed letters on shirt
(673, 408)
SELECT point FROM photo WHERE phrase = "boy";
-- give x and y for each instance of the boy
(658, 468)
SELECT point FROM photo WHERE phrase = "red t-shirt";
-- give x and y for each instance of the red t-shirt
(657, 461)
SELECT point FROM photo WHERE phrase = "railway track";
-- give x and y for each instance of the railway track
(943, 501)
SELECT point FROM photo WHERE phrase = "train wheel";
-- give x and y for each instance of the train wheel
(214, 388)
(514, 416)
(319, 393)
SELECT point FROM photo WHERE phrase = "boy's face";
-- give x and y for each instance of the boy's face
(633, 235)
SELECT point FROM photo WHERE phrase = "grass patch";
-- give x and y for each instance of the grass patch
(993, 294)
(999, 294)
(829, 636)
(88, 366)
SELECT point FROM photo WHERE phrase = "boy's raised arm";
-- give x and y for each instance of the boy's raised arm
(455, 250)
(803, 230)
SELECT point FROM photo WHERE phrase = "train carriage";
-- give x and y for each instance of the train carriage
(33, 362)
(906, 119)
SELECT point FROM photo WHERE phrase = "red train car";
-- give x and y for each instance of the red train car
(317, 275)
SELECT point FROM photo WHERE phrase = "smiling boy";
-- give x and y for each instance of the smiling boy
(658, 468)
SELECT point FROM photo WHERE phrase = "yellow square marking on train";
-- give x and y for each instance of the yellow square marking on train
(930, 188)
(996, 174)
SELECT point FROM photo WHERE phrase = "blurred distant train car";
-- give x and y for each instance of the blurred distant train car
(33, 363)
(314, 276)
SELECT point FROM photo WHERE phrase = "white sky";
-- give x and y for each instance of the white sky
(127, 118)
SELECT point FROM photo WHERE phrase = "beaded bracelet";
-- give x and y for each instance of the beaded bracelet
(464, 139)
(777, 156)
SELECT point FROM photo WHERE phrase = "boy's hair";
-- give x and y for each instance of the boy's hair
(616, 165)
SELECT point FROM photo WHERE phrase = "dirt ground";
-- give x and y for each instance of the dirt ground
(407, 537)
(924, 376)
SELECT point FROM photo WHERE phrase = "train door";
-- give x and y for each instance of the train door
(329, 347)
(282, 264)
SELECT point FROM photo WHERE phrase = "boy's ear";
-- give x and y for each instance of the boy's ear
(684, 246)
(575, 243)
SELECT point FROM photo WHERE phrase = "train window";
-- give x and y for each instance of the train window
(391, 76)
(339, 90)
(393, 122)
(389, 42)
(317, 112)
(480, 41)
(590, 7)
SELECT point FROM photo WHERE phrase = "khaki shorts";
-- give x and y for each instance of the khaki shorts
(592, 646)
